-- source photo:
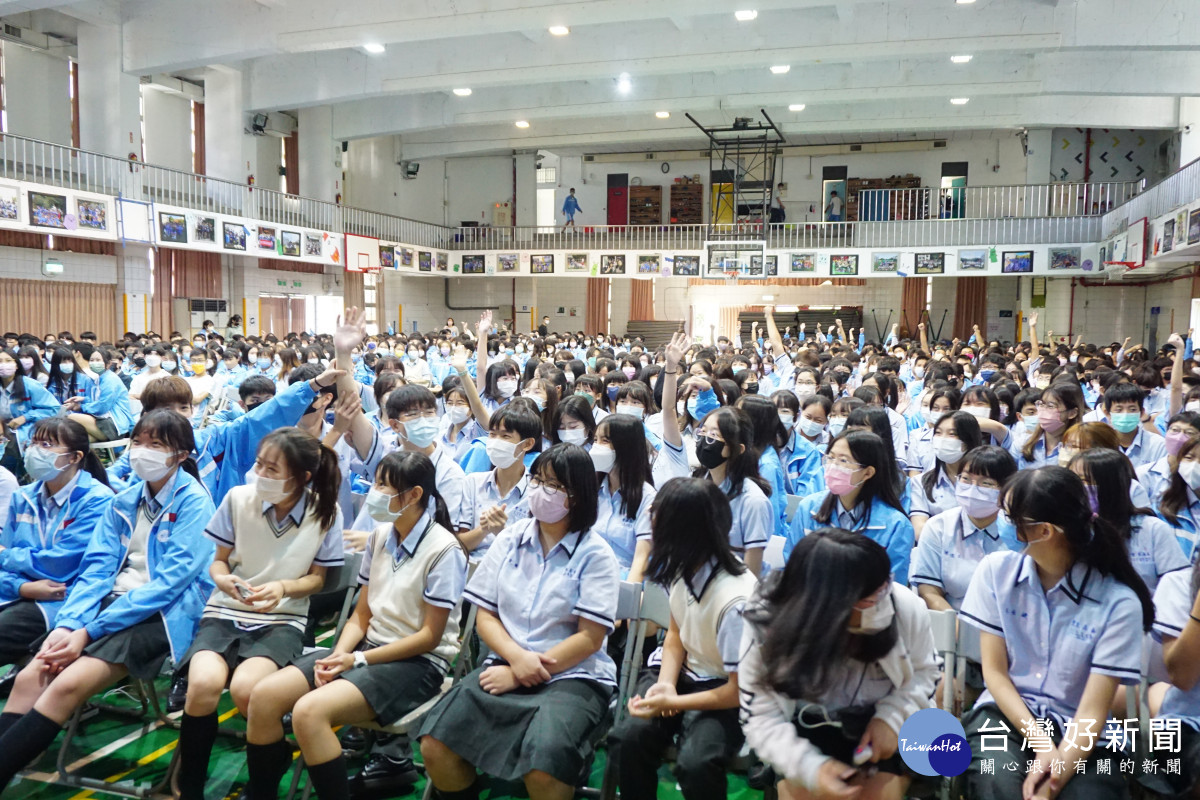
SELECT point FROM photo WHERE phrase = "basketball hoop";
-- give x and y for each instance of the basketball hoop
(731, 277)
(1115, 270)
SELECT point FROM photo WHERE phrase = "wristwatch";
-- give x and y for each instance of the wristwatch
(360, 659)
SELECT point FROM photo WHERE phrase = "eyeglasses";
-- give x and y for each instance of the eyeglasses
(968, 479)
(1040, 404)
(706, 439)
(841, 462)
(552, 488)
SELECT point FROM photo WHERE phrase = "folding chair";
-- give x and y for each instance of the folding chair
(108, 451)
(945, 642)
(773, 554)
(793, 502)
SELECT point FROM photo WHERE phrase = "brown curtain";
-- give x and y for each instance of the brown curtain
(291, 162)
(781, 282)
(286, 265)
(970, 306)
(198, 126)
(353, 294)
(273, 314)
(160, 302)
(40, 306)
(912, 306)
(729, 321)
(182, 273)
(596, 320)
(641, 301)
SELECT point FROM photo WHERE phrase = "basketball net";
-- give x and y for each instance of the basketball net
(1115, 270)
(731, 277)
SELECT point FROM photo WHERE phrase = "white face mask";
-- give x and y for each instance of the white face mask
(269, 490)
(804, 391)
(1190, 472)
(458, 414)
(379, 504)
(503, 454)
(148, 464)
(630, 410)
(153, 360)
(978, 411)
(947, 449)
(787, 418)
(507, 387)
(572, 436)
(811, 428)
(603, 457)
(879, 616)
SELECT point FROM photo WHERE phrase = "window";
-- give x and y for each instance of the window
(547, 175)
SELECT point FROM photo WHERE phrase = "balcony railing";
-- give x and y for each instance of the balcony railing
(1171, 192)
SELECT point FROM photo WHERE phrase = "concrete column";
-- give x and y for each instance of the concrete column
(134, 285)
(109, 100)
(228, 151)
(525, 212)
(1189, 124)
(320, 176)
(1037, 157)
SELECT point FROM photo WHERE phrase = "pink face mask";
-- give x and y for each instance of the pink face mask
(1049, 420)
(546, 507)
(839, 481)
(1175, 442)
(629, 372)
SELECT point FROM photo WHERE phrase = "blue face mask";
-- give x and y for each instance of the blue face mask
(985, 375)
(612, 392)
(264, 363)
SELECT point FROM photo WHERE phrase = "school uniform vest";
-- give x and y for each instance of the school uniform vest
(262, 554)
(396, 592)
(700, 620)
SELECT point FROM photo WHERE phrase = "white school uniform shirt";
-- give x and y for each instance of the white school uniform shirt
(8, 485)
(1087, 623)
(1154, 549)
(1173, 604)
(1146, 447)
(469, 433)
(135, 572)
(480, 492)
(943, 496)
(448, 477)
(621, 532)
(1155, 477)
(920, 448)
(899, 435)
(950, 549)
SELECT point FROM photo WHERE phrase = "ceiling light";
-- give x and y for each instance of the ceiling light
(745, 15)
(624, 85)
(959, 101)
(781, 69)
(663, 114)
(374, 48)
(559, 30)
(796, 107)
(964, 2)
(464, 92)
(522, 123)
(960, 59)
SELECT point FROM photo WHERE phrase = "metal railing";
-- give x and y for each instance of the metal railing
(1182, 186)
(994, 202)
(586, 237)
(935, 233)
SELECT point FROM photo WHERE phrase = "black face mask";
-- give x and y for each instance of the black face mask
(251, 406)
(750, 388)
(139, 361)
(709, 454)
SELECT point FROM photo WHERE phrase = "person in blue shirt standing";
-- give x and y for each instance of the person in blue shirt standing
(570, 208)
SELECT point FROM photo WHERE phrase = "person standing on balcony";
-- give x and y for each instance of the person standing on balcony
(833, 209)
(778, 214)
(570, 207)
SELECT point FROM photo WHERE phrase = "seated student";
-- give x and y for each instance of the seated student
(635, 399)
(861, 495)
(832, 637)
(458, 427)
(984, 404)
(1061, 629)
(64, 382)
(935, 405)
(1123, 406)
(1156, 477)
(275, 539)
(104, 409)
(251, 393)
(690, 689)
(1179, 504)
(1060, 407)
(47, 530)
(954, 436)
(801, 455)
(136, 600)
(394, 649)
(874, 419)
(621, 459)
(22, 400)
(769, 434)
(591, 388)
(573, 423)
(547, 596)
(201, 363)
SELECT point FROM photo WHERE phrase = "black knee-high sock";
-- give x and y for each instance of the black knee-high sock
(266, 764)
(329, 779)
(469, 793)
(25, 739)
(7, 720)
(196, 737)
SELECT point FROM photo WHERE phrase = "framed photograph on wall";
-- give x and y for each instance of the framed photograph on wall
(205, 230)
(576, 262)
(1168, 236)
(10, 203)
(1064, 258)
(756, 265)
(47, 210)
(972, 260)
(885, 262)
(442, 261)
(266, 238)
(405, 255)
(235, 236)
(172, 228)
(312, 245)
(425, 261)
(648, 265)
(612, 264)
(804, 262)
(843, 265)
(474, 265)
(930, 263)
(508, 262)
(92, 214)
(541, 265)
(1194, 227)
(686, 265)
(772, 266)
(1016, 262)
(387, 256)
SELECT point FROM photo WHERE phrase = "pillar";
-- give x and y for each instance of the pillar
(134, 287)
(320, 175)
(229, 152)
(1189, 125)
(109, 100)
(525, 212)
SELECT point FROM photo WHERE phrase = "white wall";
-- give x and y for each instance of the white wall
(475, 185)
(37, 101)
(168, 129)
(25, 263)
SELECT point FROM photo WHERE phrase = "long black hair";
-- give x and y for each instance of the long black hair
(869, 451)
(805, 615)
(738, 433)
(966, 428)
(571, 466)
(403, 470)
(691, 519)
(579, 409)
(764, 418)
(1175, 497)
(1111, 473)
(70, 434)
(1057, 496)
(302, 453)
(172, 429)
(628, 438)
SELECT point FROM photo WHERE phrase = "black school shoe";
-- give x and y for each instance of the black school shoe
(383, 777)
(355, 742)
(177, 695)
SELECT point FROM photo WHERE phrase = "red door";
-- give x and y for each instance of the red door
(618, 199)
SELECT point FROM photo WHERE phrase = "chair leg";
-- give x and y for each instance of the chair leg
(297, 774)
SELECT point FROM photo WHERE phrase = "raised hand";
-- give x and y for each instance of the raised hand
(485, 324)
(1033, 318)
(350, 331)
(679, 344)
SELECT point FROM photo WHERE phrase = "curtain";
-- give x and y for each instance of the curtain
(273, 314)
(970, 306)
(286, 265)
(641, 301)
(729, 321)
(40, 306)
(198, 164)
(912, 306)
(352, 284)
(596, 320)
(70, 244)
(182, 273)
(291, 163)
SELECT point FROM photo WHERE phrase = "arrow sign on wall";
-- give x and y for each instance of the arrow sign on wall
(1114, 172)
(1104, 157)
(1129, 156)
(1079, 158)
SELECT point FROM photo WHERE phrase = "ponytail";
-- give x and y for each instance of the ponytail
(189, 466)
(92, 466)
(325, 483)
(303, 453)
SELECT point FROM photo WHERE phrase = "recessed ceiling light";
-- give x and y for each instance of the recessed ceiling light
(663, 114)
(374, 48)
(522, 123)
(964, 2)
(796, 107)
(781, 69)
(559, 30)
(960, 59)
(959, 101)
(624, 85)
(464, 92)
(745, 15)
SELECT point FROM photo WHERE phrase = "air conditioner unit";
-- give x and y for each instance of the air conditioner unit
(280, 125)
(25, 36)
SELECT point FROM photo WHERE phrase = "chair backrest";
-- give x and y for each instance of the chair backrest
(656, 606)
(773, 554)
(793, 502)
(944, 623)
(629, 600)
(344, 577)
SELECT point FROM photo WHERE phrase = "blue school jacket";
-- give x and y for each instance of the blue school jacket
(885, 525)
(109, 398)
(178, 556)
(802, 466)
(38, 404)
(771, 470)
(28, 556)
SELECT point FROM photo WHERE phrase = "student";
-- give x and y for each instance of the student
(1156, 477)
(497, 498)
(1123, 406)
(105, 411)
(457, 427)
(547, 597)
(861, 495)
(48, 527)
(690, 689)
(983, 404)
(135, 603)
(769, 435)
(22, 400)
(626, 493)
(64, 382)
(801, 455)
(395, 648)
(573, 423)
(252, 393)
(1060, 407)
(1061, 629)
(275, 538)
(33, 365)
(154, 356)
(202, 363)
(939, 402)
(954, 436)
(832, 637)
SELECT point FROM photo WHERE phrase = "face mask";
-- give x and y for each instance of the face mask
(66, 368)
(709, 454)
(804, 391)
(27, 364)
(421, 432)
(269, 490)
(612, 392)
(1042, 383)
(572, 436)
(507, 387)
(587, 396)
(458, 414)
(836, 425)
(787, 418)
(41, 463)
(1049, 420)
(263, 363)
(948, 450)
(1031, 542)
(931, 416)
(1190, 472)
(314, 360)
(167, 365)
(1065, 454)
(1030, 423)
(629, 372)
(979, 412)
(1126, 422)
(980, 502)
(840, 481)
(445, 351)
(750, 388)
(199, 369)
(603, 457)
(545, 507)
(630, 410)
(768, 368)
(1093, 496)
(591, 362)
(96, 366)
(811, 428)
(501, 453)
(878, 617)
(153, 361)
(918, 372)
(1175, 442)
(379, 506)
(986, 374)
(139, 361)
(149, 465)
(1193, 406)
